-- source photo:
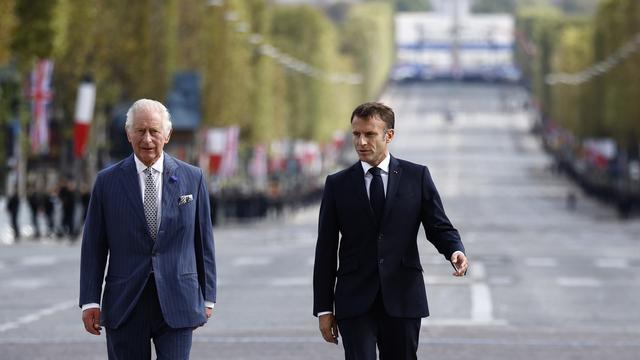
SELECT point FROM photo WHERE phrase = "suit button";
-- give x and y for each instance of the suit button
(381, 261)
(380, 237)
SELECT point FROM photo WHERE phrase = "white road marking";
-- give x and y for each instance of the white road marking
(578, 282)
(292, 281)
(37, 315)
(477, 271)
(481, 301)
(541, 262)
(39, 260)
(6, 237)
(613, 263)
(252, 261)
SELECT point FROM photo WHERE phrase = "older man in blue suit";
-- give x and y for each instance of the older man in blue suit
(149, 219)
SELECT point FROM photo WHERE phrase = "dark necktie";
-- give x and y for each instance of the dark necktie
(376, 193)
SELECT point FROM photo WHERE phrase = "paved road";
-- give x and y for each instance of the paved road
(545, 283)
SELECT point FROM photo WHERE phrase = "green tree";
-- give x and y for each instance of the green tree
(74, 33)
(227, 72)
(264, 126)
(33, 35)
(7, 27)
(577, 6)
(368, 39)
(412, 5)
(536, 30)
(303, 32)
(616, 23)
(572, 107)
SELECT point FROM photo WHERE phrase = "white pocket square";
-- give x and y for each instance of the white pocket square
(185, 199)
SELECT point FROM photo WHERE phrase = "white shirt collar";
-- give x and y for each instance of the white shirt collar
(384, 165)
(157, 166)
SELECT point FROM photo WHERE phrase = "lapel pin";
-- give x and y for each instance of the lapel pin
(173, 178)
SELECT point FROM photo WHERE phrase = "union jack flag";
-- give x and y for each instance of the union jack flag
(41, 96)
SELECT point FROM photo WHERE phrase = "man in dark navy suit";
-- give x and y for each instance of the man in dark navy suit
(367, 280)
(149, 216)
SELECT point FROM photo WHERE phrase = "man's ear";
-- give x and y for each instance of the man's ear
(389, 135)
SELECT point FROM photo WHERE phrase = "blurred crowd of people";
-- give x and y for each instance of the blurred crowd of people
(600, 167)
(56, 212)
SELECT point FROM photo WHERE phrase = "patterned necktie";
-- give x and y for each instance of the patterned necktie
(376, 193)
(151, 202)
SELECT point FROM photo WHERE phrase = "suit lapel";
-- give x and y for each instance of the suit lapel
(395, 172)
(360, 189)
(131, 186)
(170, 191)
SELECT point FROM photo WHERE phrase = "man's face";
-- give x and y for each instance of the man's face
(147, 136)
(370, 139)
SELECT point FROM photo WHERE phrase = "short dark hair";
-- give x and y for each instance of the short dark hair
(372, 109)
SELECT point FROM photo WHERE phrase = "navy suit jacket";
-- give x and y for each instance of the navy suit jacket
(182, 257)
(378, 257)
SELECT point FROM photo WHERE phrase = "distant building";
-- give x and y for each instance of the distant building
(452, 42)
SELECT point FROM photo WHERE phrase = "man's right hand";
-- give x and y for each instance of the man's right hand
(91, 320)
(329, 328)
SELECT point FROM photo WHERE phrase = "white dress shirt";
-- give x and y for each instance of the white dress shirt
(384, 173)
(157, 169)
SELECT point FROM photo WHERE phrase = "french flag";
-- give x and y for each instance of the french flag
(85, 103)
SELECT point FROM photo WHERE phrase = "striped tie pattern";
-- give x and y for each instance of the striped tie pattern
(151, 202)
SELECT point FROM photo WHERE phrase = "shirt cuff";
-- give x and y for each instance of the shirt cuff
(90, 306)
(455, 252)
(324, 313)
(209, 304)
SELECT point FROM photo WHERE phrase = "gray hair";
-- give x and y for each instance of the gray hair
(151, 106)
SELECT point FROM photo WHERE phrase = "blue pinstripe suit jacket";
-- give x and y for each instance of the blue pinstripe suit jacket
(182, 257)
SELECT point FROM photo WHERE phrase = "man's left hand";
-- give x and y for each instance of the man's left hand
(208, 312)
(460, 263)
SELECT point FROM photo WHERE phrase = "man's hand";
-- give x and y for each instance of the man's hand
(460, 263)
(91, 320)
(209, 312)
(329, 328)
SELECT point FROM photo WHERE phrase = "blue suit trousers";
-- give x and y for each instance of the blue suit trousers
(132, 340)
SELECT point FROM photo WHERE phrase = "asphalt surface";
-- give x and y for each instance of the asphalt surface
(546, 282)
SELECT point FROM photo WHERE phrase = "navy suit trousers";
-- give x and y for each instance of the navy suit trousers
(132, 340)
